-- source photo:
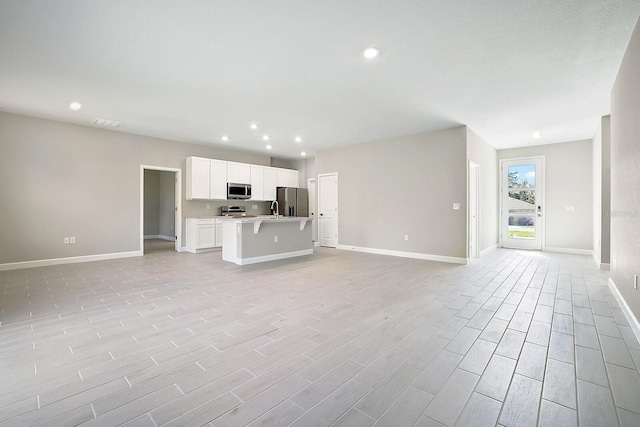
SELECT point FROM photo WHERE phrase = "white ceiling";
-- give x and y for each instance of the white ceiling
(199, 69)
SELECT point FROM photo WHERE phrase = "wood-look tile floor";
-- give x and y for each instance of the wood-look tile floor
(337, 338)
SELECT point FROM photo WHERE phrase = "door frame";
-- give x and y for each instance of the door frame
(314, 220)
(542, 221)
(474, 195)
(320, 222)
(178, 204)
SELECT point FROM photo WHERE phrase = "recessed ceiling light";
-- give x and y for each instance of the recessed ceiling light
(225, 138)
(265, 137)
(75, 105)
(371, 52)
(253, 126)
(268, 147)
(303, 153)
(537, 135)
(298, 139)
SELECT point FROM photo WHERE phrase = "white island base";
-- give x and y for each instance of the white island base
(252, 240)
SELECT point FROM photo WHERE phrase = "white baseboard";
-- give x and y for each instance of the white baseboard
(633, 320)
(414, 255)
(159, 236)
(68, 260)
(274, 257)
(588, 252)
(489, 249)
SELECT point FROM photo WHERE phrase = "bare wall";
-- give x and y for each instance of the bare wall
(568, 182)
(151, 203)
(59, 179)
(625, 174)
(399, 186)
(481, 152)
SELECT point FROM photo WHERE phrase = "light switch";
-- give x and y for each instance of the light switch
(456, 206)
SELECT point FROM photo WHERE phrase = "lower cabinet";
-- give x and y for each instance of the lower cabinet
(203, 234)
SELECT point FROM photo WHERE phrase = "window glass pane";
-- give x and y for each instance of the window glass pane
(522, 226)
(522, 201)
(522, 176)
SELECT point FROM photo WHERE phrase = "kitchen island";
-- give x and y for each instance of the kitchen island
(252, 240)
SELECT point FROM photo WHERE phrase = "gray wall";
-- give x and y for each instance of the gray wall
(60, 179)
(602, 191)
(486, 156)
(151, 203)
(166, 204)
(625, 174)
(568, 181)
(407, 185)
(159, 203)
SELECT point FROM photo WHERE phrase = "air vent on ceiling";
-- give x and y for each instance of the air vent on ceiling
(107, 123)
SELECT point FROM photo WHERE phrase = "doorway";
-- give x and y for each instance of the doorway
(160, 208)
(328, 208)
(474, 210)
(313, 206)
(522, 203)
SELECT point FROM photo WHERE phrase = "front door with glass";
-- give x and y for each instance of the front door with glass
(522, 184)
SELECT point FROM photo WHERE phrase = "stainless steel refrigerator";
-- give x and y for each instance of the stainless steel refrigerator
(293, 201)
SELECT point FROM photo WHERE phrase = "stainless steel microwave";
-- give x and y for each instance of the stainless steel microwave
(238, 191)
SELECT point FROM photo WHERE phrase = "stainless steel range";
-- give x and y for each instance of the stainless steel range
(235, 211)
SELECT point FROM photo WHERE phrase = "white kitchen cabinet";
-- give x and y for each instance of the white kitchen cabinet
(201, 234)
(218, 182)
(270, 181)
(218, 233)
(257, 182)
(287, 178)
(197, 173)
(239, 173)
(206, 179)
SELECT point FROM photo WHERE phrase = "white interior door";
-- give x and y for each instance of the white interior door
(474, 208)
(522, 198)
(328, 208)
(313, 208)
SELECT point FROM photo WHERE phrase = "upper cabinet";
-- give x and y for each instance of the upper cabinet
(218, 182)
(287, 178)
(239, 173)
(257, 182)
(206, 179)
(198, 170)
(270, 183)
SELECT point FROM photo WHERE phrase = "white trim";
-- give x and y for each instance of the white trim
(402, 254)
(159, 236)
(605, 266)
(633, 320)
(67, 260)
(478, 253)
(597, 259)
(316, 244)
(274, 257)
(489, 249)
(178, 204)
(588, 252)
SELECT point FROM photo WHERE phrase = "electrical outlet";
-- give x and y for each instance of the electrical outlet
(254, 207)
(208, 206)
(66, 240)
(72, 240)
(275, 239)
(406, 237)
(635, 282)
(456, 206)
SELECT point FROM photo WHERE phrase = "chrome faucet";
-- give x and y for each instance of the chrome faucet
(275, 202)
